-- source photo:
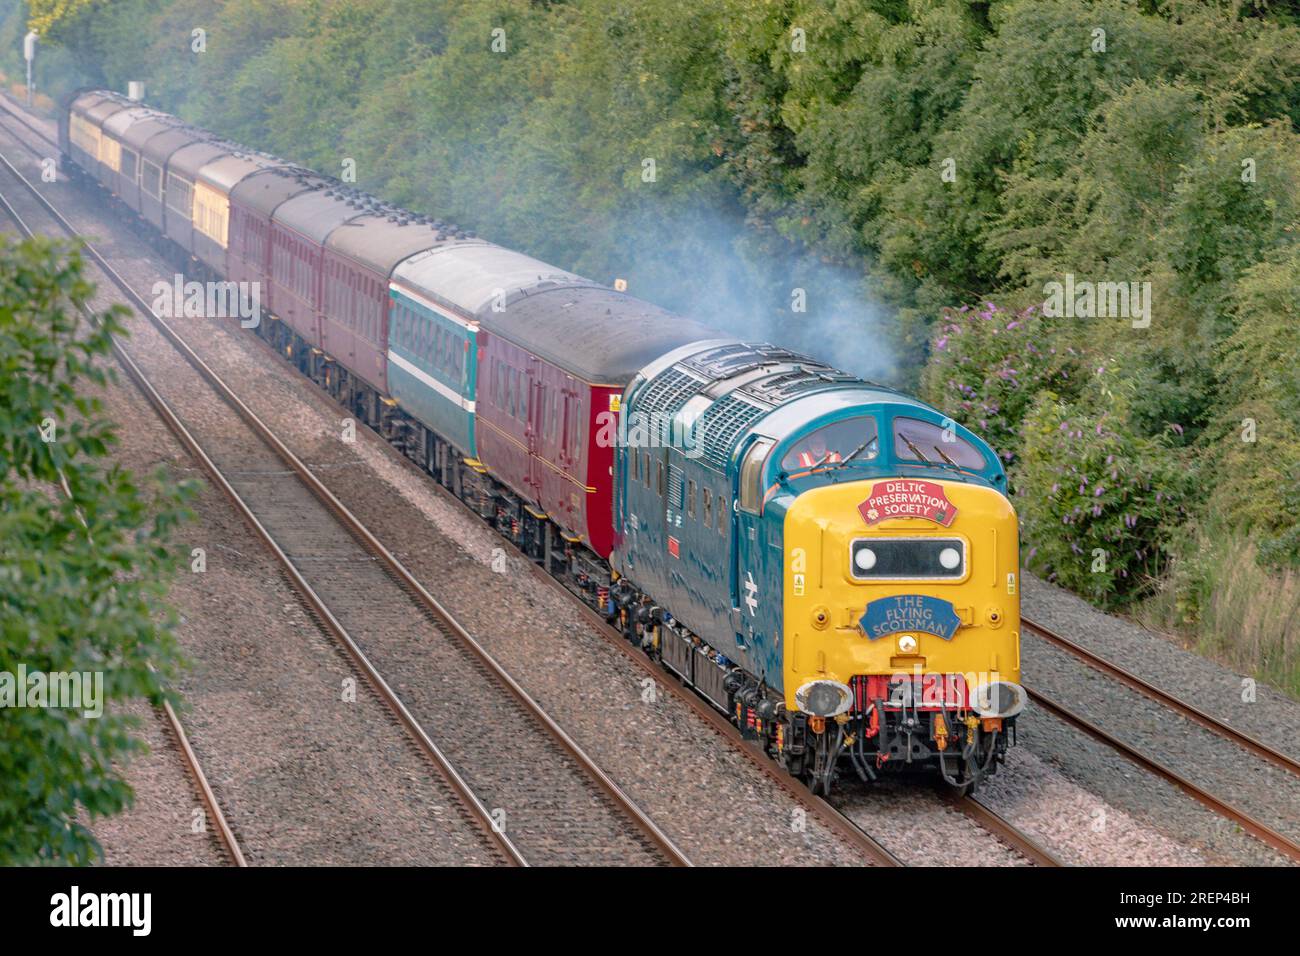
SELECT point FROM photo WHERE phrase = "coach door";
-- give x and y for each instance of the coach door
(535, 403)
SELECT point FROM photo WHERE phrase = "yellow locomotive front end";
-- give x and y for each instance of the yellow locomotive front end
(902, 628)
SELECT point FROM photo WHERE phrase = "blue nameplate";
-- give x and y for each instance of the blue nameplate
(910, 612)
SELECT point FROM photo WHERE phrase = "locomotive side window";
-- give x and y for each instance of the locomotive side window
(723, 508)
(659, 479)
(690, 498)
(751, 474)
(915, 440)
(645, 470)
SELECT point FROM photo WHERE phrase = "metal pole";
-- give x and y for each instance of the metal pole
(29, 54)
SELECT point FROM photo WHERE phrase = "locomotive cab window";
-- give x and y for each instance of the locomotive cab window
(915, 440)
(849, 439)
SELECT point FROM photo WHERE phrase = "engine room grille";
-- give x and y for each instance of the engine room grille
(720, 425)
(668, 392)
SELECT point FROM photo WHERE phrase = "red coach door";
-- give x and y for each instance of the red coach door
(536, 392)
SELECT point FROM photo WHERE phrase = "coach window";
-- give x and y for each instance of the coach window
(690, 498)
(751, 475)
(645, 470)
(708, 508)
(659, 477)
(151, 179)
(723, 507)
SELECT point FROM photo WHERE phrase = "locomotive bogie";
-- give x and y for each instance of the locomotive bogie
(828, 562)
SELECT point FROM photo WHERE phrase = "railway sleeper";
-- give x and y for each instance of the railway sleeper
(872, 740)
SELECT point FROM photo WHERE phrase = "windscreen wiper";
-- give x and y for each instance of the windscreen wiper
(915, 451)
(945, 457)
(857, 451)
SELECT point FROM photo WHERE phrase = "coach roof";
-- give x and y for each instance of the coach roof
(600, 335)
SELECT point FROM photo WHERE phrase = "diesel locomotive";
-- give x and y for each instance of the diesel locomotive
(830, 562)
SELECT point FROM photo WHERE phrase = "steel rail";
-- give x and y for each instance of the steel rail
(1151, 691)
(1261, 831)
(212, 807)
(1019, 841)
(314, 602)
(650, 829)
(821, 809)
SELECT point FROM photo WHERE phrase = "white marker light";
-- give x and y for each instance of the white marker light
(906, 644)
(865, 559)
(950, 558)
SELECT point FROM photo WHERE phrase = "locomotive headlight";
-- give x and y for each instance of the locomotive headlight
(906, 644)
(950, 558)
(823, 698)
(999, 698)
(865, 559)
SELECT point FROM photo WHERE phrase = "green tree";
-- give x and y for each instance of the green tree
(85, 555)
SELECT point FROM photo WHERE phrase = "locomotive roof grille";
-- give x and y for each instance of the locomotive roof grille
(668, 392)
(799, 381)
(721, 424)
(729, 360)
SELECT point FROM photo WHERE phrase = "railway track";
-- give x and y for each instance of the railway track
(212, 809)
(849, 831)
(225, 836)
(1248, 822)
(980, 814)
(1176, 704)
(531, 788)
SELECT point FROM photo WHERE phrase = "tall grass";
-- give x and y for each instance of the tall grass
(1221, 603)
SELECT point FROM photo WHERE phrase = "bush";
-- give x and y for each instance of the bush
(987, 365)
(1097, 504)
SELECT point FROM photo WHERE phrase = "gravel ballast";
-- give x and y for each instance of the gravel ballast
(1084, 802)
